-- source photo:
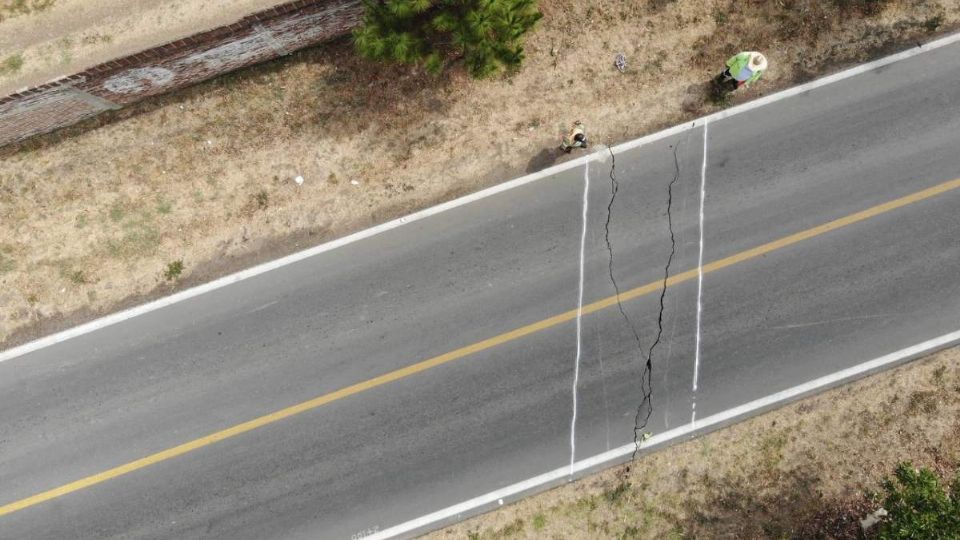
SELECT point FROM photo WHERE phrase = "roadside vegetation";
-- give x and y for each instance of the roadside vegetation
(812, 469)
(485, 35)
(269, 160)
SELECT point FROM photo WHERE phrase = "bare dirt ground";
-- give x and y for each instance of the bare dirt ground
(94, 215)
(41, 40)
(805, 471)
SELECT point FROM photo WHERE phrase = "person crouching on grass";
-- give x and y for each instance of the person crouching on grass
(575, 138)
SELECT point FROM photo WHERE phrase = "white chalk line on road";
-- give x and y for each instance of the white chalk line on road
(696, 351)
(576, 366)
(224, 281)
(557, 476)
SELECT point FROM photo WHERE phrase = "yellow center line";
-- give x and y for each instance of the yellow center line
(512, 335)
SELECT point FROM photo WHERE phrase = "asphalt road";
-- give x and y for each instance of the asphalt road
(403, 449)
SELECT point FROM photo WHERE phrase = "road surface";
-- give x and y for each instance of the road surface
(385, 451)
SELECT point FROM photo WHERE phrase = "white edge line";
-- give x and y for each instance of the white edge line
(121, 316)
(564, 473)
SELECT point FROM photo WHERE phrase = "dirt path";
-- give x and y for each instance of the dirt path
(53, 38)
(94, 215)
(804, 471)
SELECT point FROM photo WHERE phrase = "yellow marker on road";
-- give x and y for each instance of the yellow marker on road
(471, 349)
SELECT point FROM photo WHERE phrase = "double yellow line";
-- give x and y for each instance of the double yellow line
(469, 349)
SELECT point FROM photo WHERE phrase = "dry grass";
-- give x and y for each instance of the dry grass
(16, 8)
(206, 175)
(804, 471)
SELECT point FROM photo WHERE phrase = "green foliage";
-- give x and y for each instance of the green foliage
(919, 507)
(174, 269)
(486, 34)
(11, 65)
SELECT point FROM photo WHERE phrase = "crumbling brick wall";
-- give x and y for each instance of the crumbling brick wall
(262, 36)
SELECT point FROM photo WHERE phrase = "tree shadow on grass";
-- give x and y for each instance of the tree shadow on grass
(781, 505)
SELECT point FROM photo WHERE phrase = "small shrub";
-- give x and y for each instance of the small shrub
(77, 277)
(932, 23)
(174, 269)
(918, 506)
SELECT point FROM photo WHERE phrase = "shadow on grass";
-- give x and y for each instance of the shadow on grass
(780, 504)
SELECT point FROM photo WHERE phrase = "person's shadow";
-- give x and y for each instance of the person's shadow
(546, 158)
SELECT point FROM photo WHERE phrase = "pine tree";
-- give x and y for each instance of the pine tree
(486, 34)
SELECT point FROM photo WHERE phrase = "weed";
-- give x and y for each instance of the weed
(539, 521)
(864, 7)
(921, 401)
(616, 494)
(93, 39)
(116, 213)
(588, 504)
(92, 295)
(174, 269)
(164, 206)
(931, 24)
(140, 238)
(630, 533)
(6, 264)
(81, 221)
(511, 529)
(772, 449)
(719, 16)
(262, 199)
(32, 299)
(11, 65)
(12, 8)
(77, 277)
(938, 375)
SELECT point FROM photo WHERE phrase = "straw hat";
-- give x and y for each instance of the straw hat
(758, 62)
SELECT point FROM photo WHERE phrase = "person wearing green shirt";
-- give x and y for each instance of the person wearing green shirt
(743, 69)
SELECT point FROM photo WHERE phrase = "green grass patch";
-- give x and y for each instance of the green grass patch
(174, 269)
(11, 65)
(7, 263)
(138, 237)
(15, 8)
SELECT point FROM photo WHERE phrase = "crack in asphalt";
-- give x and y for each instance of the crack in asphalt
(645, 408)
